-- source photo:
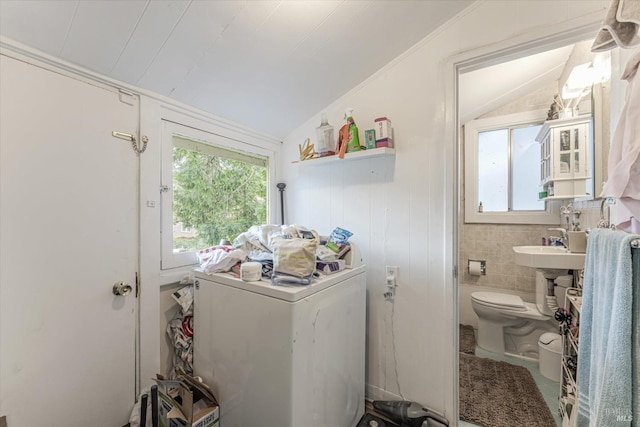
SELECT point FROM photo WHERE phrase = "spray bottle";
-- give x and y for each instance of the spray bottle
(353, 143)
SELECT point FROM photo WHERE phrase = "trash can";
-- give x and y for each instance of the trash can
(550, 354)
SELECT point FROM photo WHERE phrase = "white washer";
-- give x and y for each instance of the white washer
(283, 356)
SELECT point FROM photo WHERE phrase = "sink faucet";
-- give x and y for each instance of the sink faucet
(564, 238)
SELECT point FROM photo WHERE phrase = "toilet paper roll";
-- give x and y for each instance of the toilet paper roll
(475, 268)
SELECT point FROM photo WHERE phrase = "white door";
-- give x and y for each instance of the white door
(68, 232)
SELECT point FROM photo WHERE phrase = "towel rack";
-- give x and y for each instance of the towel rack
(635, 243)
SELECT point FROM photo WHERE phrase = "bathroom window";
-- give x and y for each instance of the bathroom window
(213, 188)
(502, 171)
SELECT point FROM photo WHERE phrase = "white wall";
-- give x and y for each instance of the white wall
(402, 211)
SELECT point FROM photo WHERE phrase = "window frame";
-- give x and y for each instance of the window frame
(471, 215)
(168, 259)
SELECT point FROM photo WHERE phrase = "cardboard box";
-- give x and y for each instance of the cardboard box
(330, 267)
(186, 402)
(384, 132)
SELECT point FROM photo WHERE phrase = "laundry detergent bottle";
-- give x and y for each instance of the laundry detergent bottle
(353, 142)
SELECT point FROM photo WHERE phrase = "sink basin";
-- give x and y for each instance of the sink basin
(548, 258)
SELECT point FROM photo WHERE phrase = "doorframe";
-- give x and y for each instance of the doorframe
(545, 38)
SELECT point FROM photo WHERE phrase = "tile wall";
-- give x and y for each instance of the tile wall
(493, 243)
(590, 213)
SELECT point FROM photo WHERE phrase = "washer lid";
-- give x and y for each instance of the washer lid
(290, 293)
(499, 299)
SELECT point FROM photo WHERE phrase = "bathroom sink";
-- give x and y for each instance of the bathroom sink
(548, 258)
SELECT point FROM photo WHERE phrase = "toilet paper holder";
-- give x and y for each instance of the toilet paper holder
(477, 267)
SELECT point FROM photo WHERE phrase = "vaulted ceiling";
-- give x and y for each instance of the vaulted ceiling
(269, 65)
(487, 89)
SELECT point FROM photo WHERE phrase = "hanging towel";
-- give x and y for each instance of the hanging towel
(624, 155)
(620, 26)
(605, 351)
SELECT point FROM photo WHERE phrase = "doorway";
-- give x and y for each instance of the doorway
(492, 241)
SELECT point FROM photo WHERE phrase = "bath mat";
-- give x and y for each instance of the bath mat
(467, 339)
(499, 394)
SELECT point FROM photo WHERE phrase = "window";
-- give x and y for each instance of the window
(214, 188)
(502, 171)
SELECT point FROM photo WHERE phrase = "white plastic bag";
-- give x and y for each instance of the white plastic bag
(218, 259)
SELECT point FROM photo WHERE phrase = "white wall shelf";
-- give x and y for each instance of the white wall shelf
(358, 155)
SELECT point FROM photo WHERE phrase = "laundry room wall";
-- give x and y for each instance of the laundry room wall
(401, 208)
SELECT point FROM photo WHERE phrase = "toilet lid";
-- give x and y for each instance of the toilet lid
(499, 299)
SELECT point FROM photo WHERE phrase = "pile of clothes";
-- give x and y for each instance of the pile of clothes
(289, 254)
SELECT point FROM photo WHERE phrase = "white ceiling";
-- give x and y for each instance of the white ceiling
(269, 65)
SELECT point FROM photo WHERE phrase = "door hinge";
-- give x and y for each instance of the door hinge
(137, 285)
(455, 271)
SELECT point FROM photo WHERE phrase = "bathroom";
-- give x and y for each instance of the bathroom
(402, 209)
(489, 237)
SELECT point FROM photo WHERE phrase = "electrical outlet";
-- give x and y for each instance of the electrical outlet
(392, 276)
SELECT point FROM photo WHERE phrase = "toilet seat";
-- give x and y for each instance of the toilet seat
(498, 300)
(508, 304)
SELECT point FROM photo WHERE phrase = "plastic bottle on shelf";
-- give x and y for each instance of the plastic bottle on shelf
(353, 143)
(326, 142)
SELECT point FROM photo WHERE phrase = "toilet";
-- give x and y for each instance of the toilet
(509, 325)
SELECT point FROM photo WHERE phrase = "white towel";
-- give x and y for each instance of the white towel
(624, 155)
(620, 26)
(605, 352)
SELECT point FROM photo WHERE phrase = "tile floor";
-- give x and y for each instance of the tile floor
(549, 389)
